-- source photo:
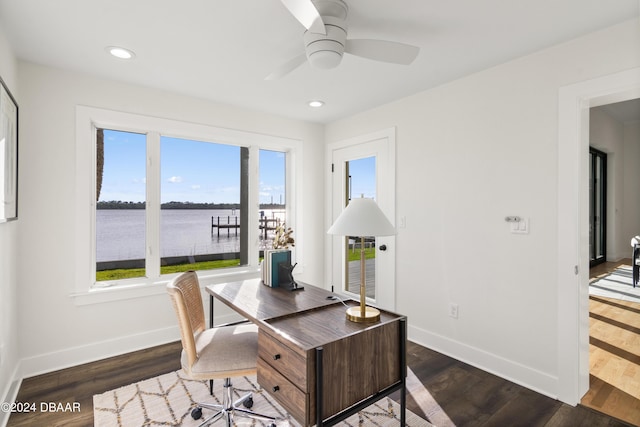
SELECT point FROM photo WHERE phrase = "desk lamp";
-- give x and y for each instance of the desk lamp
(362, 217)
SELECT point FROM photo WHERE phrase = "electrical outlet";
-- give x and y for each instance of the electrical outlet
(453, 310)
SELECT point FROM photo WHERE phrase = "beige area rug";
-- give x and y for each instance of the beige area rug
(167, 401)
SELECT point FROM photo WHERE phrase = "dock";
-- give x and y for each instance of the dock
(265, 225)
(215, 223)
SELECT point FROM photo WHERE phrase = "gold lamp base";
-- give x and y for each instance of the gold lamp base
(371, 314)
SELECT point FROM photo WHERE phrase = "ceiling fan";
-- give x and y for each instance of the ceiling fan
(326, 38)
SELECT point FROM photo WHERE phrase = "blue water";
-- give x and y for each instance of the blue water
(120, 233)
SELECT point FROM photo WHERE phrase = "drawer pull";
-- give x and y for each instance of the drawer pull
(276, 388)
(276, 357)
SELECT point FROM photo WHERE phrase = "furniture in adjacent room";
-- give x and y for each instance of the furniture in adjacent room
(635, 259)
(214, 353)
(321, 367)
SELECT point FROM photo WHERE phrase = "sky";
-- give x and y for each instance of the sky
(202, 172)
(191, 171)
(363, 177)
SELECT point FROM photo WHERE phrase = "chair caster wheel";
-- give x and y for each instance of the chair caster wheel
(248, 403)
(273, 425)
(196, 413)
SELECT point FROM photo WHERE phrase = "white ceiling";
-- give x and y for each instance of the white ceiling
(627, 111)
(222, 49)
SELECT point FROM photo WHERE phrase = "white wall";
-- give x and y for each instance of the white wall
(606, 134)
(9, 354)
(469, 153)
(59, 332)
(631, 202)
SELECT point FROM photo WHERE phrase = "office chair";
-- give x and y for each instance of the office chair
(214, 353)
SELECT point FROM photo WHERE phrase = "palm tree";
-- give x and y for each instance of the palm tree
(99, 161)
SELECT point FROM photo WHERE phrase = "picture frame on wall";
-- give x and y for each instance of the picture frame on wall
(8, 155)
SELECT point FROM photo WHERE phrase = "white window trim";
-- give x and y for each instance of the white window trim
(85, 291)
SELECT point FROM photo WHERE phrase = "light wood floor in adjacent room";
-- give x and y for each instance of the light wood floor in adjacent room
(614, 353)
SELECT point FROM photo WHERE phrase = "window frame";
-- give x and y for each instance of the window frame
(86, 290)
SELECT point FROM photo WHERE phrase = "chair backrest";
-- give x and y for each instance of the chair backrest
(187, 302)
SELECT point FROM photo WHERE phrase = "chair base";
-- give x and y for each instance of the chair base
(229, 409)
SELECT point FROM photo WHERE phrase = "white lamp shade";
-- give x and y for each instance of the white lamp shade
(362, 217)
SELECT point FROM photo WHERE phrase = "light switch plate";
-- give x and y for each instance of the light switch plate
(521, 226)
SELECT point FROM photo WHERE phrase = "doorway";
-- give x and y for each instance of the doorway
(597, 207)
(573, 222)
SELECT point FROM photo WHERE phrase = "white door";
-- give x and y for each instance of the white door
(364, 166)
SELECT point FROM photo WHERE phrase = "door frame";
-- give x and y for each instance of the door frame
(386, 199)
(573, 222)
(599, 234)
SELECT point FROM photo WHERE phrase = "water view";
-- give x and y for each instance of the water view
(120, 233)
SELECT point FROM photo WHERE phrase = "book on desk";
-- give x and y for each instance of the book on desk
(270, 267)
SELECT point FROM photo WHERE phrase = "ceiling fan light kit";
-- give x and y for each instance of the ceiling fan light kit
(326, 40)
(325, 51)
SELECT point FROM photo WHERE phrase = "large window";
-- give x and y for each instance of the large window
(170, 197)
(201, 213)
(120, 213)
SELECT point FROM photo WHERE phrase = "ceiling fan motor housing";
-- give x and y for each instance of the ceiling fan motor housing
(325, 51)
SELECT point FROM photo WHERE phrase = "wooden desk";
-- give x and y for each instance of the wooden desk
(319, 366)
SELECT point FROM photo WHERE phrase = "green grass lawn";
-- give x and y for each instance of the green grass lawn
(122, 273)
(369, 253)
(139, 272)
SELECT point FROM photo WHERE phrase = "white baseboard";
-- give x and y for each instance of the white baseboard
(525, 376)
(615, 257)
(91, 352)
(99, 350)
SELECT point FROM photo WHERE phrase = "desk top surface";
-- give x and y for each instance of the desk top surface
(306, 316)
(256, 301)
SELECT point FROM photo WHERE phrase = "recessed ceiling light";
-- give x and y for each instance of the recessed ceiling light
(316, 103)
(121, 52)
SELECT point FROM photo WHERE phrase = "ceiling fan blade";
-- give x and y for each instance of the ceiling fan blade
(287, 67)
(305, 12)
(382, 50)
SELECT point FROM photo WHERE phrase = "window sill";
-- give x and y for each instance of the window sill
(117, 291)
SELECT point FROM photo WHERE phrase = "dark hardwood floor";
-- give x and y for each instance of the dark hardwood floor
(80, 383)
(441, 389)
(451, 393)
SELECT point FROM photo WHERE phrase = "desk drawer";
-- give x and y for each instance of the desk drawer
(283, 391)
(290, 364)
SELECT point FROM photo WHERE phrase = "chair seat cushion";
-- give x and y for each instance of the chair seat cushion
(223, 352)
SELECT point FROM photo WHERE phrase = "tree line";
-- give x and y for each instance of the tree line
(118, 204)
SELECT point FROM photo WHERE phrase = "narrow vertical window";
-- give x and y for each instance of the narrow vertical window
(120, 207)
(273, 202)
(361, 182)
(200, 217)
